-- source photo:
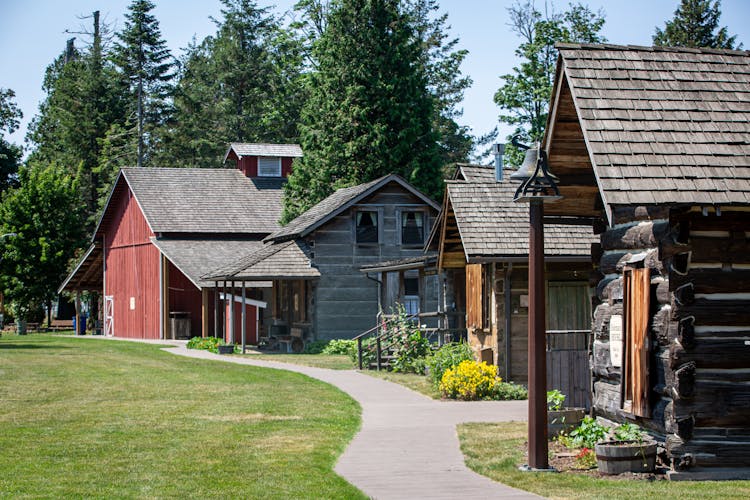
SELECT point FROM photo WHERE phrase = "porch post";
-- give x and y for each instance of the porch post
(231, 313)
(204, 312)
(78, 313)
(216, 308)
(244, 314)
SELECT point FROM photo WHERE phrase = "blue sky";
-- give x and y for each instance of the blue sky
(32, 34)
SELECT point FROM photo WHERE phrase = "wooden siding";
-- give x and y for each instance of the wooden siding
(346, 301)
(474, 296)
(184, 296)
(132, 271)
(249, 166)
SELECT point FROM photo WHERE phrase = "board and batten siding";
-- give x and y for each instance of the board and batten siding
(346, 301)
(132, 271)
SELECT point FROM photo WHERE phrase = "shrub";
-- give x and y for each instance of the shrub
(585, 459)
(448, 356)
(368, 352)
(508, 391)
(340, 346)
(588, 433)
(206, 344)
(555, 400)
(410, 351)
(315, 347)
(469, 381)
(629, 432)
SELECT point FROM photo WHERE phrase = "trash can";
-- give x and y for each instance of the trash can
(82, 320)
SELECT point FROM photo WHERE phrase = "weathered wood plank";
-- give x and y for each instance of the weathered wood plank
(713, 353)
(713, 280)
(715, 312)
(708, 453)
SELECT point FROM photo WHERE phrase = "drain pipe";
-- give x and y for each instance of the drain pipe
(380, 290)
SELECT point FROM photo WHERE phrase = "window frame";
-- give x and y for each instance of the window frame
(269, 158)
(378, 217)
(400, 222)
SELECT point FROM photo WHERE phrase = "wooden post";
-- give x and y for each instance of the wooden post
(244, 328)
(216, 308)
(537, 346)
(166, 333)
(204, 312)
(508, 290)
(78, 313)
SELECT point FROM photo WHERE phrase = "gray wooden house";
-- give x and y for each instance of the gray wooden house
(653, 144)
(481, 237)
(314, 262)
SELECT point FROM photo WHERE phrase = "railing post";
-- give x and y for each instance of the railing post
(378, 351)
(359, 352)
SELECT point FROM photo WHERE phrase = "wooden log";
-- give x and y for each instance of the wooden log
(661, 291)
(614, 262)
(686, 332)
(711, 353)
(660, 325)
(595, 276)
(715, 312)
(708, 453)
(601, 363)
(669, 246)
(683, 385)
(606, 399)
(639, 237)
(609, 289)
(684, 295)
(716, 404)
(628, 213)
(733, 250)
(713, 280)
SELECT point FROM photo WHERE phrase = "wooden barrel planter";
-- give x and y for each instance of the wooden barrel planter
(616, 457)
(564, 420)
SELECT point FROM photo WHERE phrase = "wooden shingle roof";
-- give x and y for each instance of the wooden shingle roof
(255, 149)
(336, 203)
(493, 226)
(474, 173)
(661, 125)
(203, 200)
(286, 260)
(198, 257)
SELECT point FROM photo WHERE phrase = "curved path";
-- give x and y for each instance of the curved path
(407, 446)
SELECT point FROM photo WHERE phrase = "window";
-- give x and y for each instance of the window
(411, 294)
(367, 226)
(636, 300)
(269, 167)
(412, 228)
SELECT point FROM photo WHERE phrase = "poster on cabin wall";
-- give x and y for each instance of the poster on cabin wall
(615, 340)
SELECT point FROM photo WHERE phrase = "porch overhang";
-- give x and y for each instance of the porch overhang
(427, 262)
(88, 274)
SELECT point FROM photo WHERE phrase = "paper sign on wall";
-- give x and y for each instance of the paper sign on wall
(132, 303)
(615, 340)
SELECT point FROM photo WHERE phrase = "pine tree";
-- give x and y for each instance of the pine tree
(370, 111)
(696, 24)
(525, 95)
(244, 84)
(142, 56)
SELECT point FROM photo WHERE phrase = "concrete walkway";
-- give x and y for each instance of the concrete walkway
(407, 447)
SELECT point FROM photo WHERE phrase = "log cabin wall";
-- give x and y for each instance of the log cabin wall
(698, 370)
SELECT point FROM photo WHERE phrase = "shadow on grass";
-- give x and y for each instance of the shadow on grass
(17, 345)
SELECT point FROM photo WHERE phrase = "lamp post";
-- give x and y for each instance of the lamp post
(538, 186)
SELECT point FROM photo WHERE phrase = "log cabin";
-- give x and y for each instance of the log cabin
(313, 263)
(163, 228)
(652, 145)
(482, 238)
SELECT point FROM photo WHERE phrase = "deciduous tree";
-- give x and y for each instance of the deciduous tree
(10, 154)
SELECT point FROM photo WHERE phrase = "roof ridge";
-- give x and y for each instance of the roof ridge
(647, 48)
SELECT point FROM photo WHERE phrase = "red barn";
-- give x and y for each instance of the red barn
(162, 229)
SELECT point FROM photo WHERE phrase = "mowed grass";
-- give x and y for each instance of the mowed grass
(496, 451)
(413, 381)
(100, 418)
(332, 361)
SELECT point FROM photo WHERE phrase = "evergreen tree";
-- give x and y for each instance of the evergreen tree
(370, 111)
(142, 56)
(10, 154)
(525, 94)
(696, 24)
(45, 214)
(244, 84)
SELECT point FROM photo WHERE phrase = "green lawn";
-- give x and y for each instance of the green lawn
(99, 418)
(496, 450)
(418, 383)
(332, 361)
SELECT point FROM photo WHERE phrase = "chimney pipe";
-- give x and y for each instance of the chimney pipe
(498, 150)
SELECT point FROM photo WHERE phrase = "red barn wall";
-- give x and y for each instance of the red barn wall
(132, 270)
(249, 166)
(251, 333)
(184, 296)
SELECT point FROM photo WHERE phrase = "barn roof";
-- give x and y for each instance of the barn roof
(657, 125)
(491, 226)
(203, 200)
(336, 203)
(197, 257)
(285, 260)
(254, 149)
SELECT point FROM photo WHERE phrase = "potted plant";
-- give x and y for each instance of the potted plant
(559, 418)
(629, 449)
(224, 348)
